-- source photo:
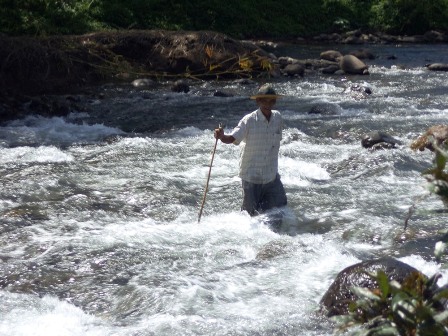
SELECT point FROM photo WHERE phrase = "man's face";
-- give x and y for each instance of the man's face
(266, 103)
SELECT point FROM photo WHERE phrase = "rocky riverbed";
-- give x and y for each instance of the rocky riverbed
(54, 75)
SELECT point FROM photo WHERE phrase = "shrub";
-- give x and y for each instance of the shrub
(415, 307)
(237, 18)
(409, 16)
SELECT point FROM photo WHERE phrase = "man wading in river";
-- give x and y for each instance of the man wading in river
(260, 133)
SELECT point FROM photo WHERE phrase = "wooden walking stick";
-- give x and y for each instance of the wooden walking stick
(208, 178)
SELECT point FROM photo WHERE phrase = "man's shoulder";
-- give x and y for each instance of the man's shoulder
(251, 115)
(277, 115)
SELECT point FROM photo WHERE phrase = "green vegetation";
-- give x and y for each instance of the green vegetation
(237, 18)
(415, 307)
(435, 139)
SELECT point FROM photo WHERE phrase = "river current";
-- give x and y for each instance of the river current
(99, 226)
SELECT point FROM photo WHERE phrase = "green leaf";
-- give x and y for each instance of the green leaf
(385, 331)
(395, 285)
(431, 283)
(365, 293)
(383, 282)
(398, 298)
(440, 160)
(342, 319)
(442, 294)
(403, 309)
(441, 316)
(406, 314)
(424, 313)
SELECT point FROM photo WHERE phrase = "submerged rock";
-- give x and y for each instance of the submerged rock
(379, 140)
(273, 249)
(326, 109)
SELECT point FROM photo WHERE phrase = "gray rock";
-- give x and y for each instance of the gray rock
(363, 54)
(358, 91)
(180, 86)
(326, 109)
(244, 81)
(219, 93)
(331, 55)
(438, 66)
(353, 65)
(294, 70)
(285, 60)
(331, 69)
(435, 36)
(339, 295)
(143, 82)
(379, 140)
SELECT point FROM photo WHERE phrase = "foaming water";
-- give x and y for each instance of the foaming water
(100, 232)
(46, 316)
(30, 154)
(58, 131)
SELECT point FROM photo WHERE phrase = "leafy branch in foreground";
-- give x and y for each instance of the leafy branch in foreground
(435, 139)
(415, 307)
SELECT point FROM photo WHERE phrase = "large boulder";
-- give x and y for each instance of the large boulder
(338, 297)
(353, 65)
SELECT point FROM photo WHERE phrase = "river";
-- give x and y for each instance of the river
(99, 223)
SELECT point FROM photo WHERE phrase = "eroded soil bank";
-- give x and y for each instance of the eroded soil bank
(60, 63)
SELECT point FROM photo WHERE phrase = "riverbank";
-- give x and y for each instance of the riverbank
(62, 63)
(71, 64)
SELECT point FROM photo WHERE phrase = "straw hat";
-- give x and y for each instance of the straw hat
(265, 91)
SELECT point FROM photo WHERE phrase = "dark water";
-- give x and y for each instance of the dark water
(99, 211)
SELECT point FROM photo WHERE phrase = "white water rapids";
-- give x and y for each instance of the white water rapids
(102, 237)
